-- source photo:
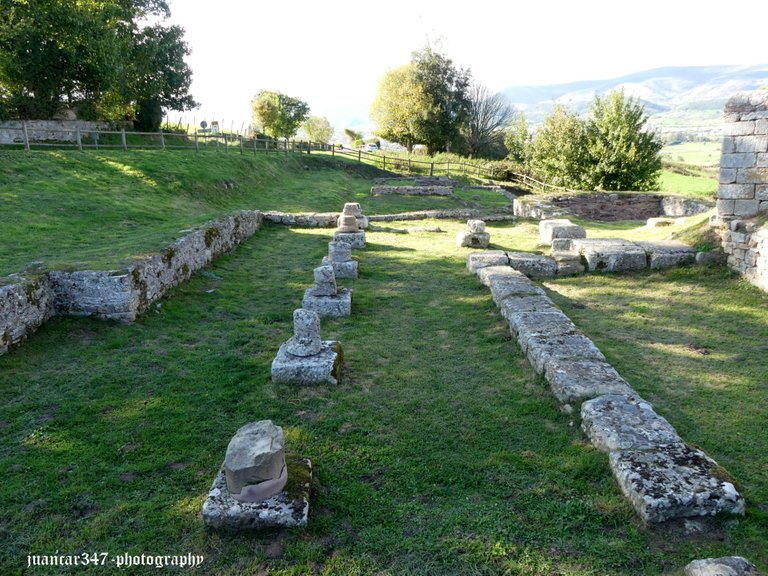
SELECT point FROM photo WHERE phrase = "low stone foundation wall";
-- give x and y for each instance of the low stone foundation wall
(607, 207)
(303, 220)
(413, 190)
(328, 219)
(746, 244)
(117, 294)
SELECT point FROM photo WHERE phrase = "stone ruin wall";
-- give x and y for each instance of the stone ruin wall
(742, 204)
(116, 294)
(11, 132)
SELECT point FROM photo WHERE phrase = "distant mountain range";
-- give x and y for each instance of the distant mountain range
(676, 98)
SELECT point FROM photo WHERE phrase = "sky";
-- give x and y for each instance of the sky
(333, 54)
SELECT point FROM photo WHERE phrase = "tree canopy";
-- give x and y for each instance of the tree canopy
(94, 56)
(318, 129)
(278, 114)
(488, 116)
(425, 101)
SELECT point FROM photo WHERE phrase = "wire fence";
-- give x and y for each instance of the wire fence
(206, 140)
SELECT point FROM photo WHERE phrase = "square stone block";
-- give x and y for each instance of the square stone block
(288, 509)
(354, 239)
(569, 266)
(578, 380)
(325, 367)
(528, 325)
(674, 481)
(668, 254)
(615, 422)
(473, 240)
(477, 260)
(611, 254)
(491, 274)
(503, 288)
(512, 307)
(334, 306)
(532, 265)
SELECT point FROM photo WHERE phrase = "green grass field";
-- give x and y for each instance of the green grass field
(442, 452)
(693, 153)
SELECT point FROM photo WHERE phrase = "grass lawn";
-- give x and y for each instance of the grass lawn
(693, 153)
(441, 453)
(100, 208)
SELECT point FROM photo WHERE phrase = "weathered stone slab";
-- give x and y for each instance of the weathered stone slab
(616, 422)
(666, 254)
(561, 245)
(569, 266)
(325, 367)
(528, 325)
(726, 566)
(578, 380)
(477, 260)
(288, 509)
(674, 481)
(512, 307)
(413, 190)
(544, 349)
(611, 254)
(561, 228)
(511, 287)
(468, 239)
(532, 265)
(354, 239)
(348, 269)
(490, 274)
(710, 258)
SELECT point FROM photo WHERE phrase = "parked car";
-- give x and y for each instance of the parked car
(371, 148)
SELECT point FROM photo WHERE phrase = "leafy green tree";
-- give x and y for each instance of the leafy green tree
(277, 114)
(440, 123)
(399, 106)
(517, 141)
(318, 129)
(425, 101)
(623, 155)
(559, 149)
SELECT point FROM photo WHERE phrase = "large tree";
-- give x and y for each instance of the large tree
(278, 114)
(424, 102)
(559, 149)
(623, 154)
(89, 55)
(489, 115)
(318, 129)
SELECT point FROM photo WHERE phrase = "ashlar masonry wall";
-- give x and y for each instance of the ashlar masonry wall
(742, 203)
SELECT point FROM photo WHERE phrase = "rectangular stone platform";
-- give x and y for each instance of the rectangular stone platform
(611, 254)
(324, 367)
(335, 306)
(289, 509)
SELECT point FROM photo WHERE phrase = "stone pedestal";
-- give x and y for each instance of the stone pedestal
(353, 209)
(289, 508)
(325, 367)
(340, 258)
(335, 305)
(474, 236)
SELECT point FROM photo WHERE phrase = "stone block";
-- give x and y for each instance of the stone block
(578, 380)
(544, 349)
(728, 145)
(727, 176)
(512, 307)
(533, 326)
(761, 160)
(710, 258)
(348, 269)
(746, 160)
(569, 266)
(739, 128)
(476, 226)
(325, 367)
(337, 305)
(477, 260)
(546, 228)
(761, 126)
(468, 239)
(354, 239)
(532, 265)
(503, 289)
(666, 254)
(673, 481)
(746, 144)
(288, 509)
(611, 254)
(736, 191)
(491, 274)
(618, 422)
(256, 454)
(725, 207)
(746, 208)
(752, 176)
(726, 566)
(562, 244)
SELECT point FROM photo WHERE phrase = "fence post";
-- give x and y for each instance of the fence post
(333, 150)
(96, 138)
(309, 147)
(359, 156)
(448, 169)
(409, 166)
(431, 168)
(26, 135)
(254, 144)
(79, 139)
(226, 143)
(162, 139)
(197, 146)
(122, 139)
(241, 145)
(464, 166)
(385, 163)
(286, 146)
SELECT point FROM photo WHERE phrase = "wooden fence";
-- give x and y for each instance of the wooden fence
(228, 142)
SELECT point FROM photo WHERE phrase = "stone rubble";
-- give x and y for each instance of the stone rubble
(726, 566)
(662, 476)
(305, 359)
(255, 457)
